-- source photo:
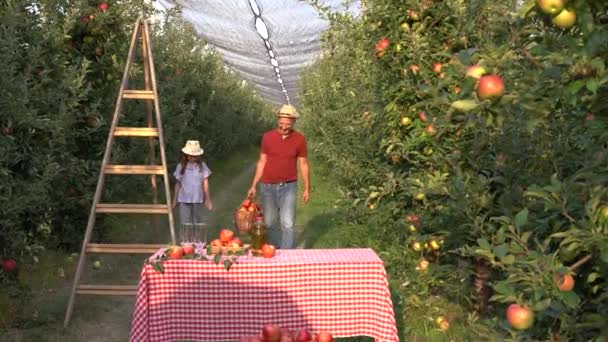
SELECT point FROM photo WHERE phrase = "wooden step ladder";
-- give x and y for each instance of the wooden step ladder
(150, 95)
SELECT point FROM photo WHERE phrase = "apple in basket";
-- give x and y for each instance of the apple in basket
(236, 242)
(175, 252)
(188, 249)
(216, 243)
(226, 235)
(271, 333)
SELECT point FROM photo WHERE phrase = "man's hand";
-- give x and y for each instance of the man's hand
(305, 196)
(251, 192)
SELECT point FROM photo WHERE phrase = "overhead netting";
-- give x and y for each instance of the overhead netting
(268, 42)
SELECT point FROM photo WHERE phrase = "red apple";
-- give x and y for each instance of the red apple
(490, 86)
(9, 265)
(437, 67)
(383, 44)
(413, 15)
(303, 336)
(226, 235)
(422, 116)
(520, 317)
(430, 129)
(268, 251)
(188, 249)
(216, 243)
(103, 6)
(7, 130)
(475, 71)
(564, 282)
(176, 252)
(324, 336)
(236, 242)
(246, 203)
(271, 333)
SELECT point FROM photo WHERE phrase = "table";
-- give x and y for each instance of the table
(342, 291)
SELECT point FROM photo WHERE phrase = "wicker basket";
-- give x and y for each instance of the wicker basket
(244, 216)
(226, 249)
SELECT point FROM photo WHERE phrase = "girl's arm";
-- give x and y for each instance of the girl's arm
(208, 202)
(178, 187)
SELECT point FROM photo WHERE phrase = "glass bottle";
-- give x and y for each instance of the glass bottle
(258, 235)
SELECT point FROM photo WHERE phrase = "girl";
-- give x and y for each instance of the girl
(192, 186)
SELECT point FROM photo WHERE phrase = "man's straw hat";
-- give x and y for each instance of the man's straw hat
(288, 111)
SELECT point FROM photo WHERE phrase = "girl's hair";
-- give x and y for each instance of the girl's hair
(184, 162)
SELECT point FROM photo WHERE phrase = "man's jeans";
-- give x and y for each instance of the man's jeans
(280, 202)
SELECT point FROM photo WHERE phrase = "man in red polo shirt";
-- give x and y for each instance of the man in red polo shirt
(283, 150)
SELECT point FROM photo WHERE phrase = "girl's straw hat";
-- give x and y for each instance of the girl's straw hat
(193, 148)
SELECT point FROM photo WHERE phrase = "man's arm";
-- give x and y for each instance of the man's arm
(305, 178)
(259, 170)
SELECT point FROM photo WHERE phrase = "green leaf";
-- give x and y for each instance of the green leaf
(592, 85)
(485, 253)
(571, 299)
(525, 236)
(597, 43)
(503, 288)
(604, 256)
(592, 277)
(521, 218)
(217, 258)
(509, 259)
(500, 251)
(227, 264)
(575, 86)
(464, 105)
(526, 7)
(542, 305)
(484, 244)
(158, 267)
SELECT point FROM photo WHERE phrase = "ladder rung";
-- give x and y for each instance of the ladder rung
(108, 290)
(120, 208)
(138, 94)
(123, 248)
(134, 169)
(136, 132)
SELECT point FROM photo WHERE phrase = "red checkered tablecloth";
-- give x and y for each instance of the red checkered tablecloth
(342, 291)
